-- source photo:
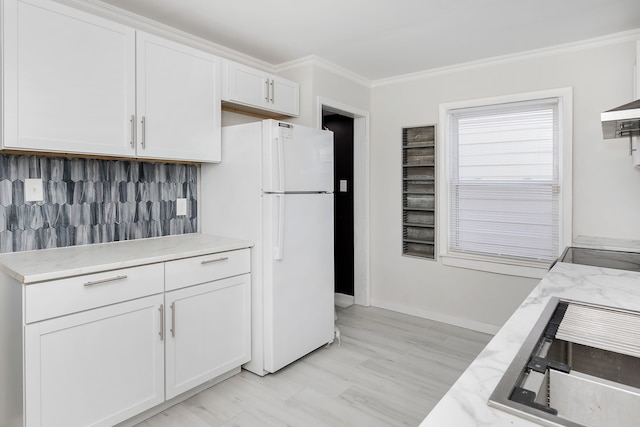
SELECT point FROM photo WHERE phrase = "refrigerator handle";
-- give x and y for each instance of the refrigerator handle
(279, 249)
(280, 149)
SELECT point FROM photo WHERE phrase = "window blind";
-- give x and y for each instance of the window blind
(504, 180)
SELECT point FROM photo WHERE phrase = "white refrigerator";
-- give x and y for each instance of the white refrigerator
(274, 187)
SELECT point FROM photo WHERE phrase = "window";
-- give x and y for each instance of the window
(505, 163)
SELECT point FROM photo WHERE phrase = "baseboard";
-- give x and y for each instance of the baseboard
(343, 300)
(487, 328)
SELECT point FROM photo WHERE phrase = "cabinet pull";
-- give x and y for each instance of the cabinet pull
(110, 279)
(133, 130)
(266, 91)
(144, 131)
(161, 333)
(173, 319)
(208, 261)
(272, 91)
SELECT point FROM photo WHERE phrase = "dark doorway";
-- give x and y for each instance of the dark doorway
(342, 128)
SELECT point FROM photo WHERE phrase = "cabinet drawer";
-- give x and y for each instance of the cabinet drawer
(59, 297)
(202, 269)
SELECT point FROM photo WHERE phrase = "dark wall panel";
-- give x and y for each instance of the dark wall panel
(342, 128)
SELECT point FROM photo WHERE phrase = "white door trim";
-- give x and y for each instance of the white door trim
(362, 290)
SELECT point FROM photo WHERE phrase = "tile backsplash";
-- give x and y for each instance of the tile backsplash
(92, 201)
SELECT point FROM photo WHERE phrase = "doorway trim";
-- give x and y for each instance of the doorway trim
(361, 273)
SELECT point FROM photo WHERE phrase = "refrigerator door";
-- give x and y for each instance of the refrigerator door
(298, 276)
(296, 158)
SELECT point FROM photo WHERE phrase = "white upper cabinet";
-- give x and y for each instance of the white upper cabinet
(77, 83)
(178, 101)
(285, 96)
(244, 85)
(69, 80)
(254, 89)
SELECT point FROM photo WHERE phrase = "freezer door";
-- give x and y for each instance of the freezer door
(296, 158)
(298, 276)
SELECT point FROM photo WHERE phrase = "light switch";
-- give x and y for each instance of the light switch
(181, 206)
(343, 185)
(33, 190)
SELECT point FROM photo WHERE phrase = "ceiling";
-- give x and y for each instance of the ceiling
(378, 39)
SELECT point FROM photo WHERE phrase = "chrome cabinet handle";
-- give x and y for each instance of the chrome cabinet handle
(110, 279)
(173, 319)
(133, 130)
(144, 131)
(208, 261)
(266, 82)
(272, 91)
(161, 333)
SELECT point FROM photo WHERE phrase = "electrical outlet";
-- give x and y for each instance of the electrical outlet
(181, 206)
(33, 190)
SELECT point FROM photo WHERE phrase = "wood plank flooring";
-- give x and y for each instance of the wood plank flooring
(390, 370)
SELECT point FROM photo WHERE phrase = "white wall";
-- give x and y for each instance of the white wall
(230, 118)
(303, 75)
(606, 187)
(327, 84)
(316, 81)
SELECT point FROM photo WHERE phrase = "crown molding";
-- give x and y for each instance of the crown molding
(632, 35)
(320, 62)
(139, 22)
(98, 7)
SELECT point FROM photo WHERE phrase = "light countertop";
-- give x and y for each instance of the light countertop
(50, 264)
(465, 404)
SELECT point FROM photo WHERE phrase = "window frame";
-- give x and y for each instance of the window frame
(565, 134)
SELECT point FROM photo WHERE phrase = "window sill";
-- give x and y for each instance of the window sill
(495, 265)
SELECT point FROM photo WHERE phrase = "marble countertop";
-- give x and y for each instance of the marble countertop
(50, 264)
(465, 404)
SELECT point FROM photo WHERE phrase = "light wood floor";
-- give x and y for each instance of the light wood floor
(390, 370)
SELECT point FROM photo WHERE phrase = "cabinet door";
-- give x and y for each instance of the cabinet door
(253, 88)
(246, 85)
(208, 332)
(284, 96)
(178, 101)
(69, 80)
(95, 368)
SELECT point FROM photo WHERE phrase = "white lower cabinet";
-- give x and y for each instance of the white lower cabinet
(97, 367)
(111, 345)
(208, 332)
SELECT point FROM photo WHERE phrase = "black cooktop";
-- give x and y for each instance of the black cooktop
(602, 258)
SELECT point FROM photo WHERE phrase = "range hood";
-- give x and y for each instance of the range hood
(621, 121)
